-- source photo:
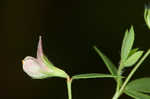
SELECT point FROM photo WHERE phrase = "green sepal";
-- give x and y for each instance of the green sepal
(47, 61)
(56, 72)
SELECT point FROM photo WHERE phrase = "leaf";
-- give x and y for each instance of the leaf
(133, 59)
(127, 44)
(137, 95)
(111, 67)
(146, 12)
(93, 75)
(133, 51)
(141, 85)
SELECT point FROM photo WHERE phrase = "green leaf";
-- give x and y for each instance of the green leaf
(111, 67)
(133, 51)
(146, 13)
(93, 75)
(133, 59)
(127, 44)
(141, 85)
(137, 95)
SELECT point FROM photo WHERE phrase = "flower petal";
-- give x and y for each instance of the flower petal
(32, 67)
(40, 67)
(40, 55)
(39, 49)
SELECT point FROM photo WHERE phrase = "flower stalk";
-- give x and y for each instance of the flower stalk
(69, 82)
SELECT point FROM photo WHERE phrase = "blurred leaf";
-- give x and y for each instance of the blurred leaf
(127, 44)
(137, 95)
(133, 59)
(141, 85)
(111, 67)
(133, 51)
(93, 75)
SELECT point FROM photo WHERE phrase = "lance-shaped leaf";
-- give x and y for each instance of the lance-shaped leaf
(127, 44)
(133, 51)
(111, 67)
(141, 85)
(93, 75)
(133, 58)
(137, 95)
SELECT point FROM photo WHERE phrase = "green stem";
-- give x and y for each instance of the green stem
(69, 82)
(119, 80)
(130, 75)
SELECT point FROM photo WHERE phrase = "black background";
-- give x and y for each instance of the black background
(69, 28)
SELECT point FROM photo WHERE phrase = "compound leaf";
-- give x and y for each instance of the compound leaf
(127, 44)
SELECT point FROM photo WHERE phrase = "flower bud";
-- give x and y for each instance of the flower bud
(40, 67)
(147, 15)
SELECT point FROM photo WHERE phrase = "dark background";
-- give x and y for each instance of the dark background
(69, 28)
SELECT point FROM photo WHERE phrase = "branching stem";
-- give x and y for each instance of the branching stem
(118, 93)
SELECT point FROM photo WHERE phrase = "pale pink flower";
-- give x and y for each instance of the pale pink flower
(40, 67)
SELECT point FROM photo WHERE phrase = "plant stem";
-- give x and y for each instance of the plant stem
(69, 82)
(119, 80)
(118, 94)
